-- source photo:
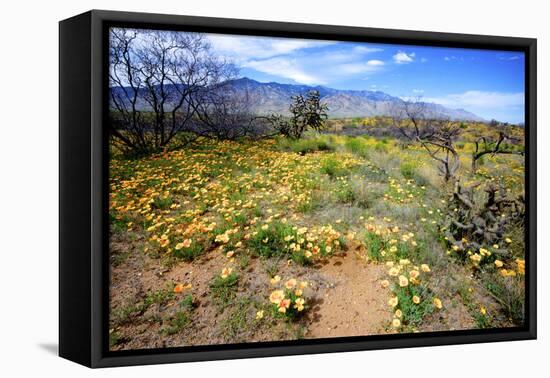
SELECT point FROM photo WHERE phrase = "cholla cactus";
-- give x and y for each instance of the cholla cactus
(471, 225)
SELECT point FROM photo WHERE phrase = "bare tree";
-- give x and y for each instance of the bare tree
(224, 112)
(155, 77)
(124, 76)
(436, 136)
(485, 146)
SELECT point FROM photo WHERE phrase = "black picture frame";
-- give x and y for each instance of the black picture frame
(83, 228)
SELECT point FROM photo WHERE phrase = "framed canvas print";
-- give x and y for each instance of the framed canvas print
(233, 188)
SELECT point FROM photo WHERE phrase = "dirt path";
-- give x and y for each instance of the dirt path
(355, 305)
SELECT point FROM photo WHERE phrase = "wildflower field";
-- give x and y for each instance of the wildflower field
(329, 235)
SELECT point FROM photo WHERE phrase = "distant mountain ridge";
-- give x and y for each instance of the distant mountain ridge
(275, 98)
(268, 98)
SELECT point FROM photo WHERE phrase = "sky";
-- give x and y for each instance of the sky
(486, 82)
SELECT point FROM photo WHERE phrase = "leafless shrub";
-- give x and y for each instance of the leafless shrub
(485, 145)
(436, 136)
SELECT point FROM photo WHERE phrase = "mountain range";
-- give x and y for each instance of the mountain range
(269, 98)
(275, 98)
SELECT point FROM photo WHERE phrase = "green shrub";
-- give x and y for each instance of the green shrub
(162, 203)
(187, 302)
(224, 290)
(238, 321)
(177, 323)
(413, 313)
(381, 147)
(310, 205)
(344, 193)
(300, 258)
(408, 169)
(158, 297)
(375, 245)
(510, 292)
(357, 146)
(306, 145)
(332, 167)
(269, 241)
(189, 253)
(323, 145)
(118, 224)
(303, 146)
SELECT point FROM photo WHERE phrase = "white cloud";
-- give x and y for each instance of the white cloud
(513, 57)
(403, 58)
(244, 48)
(375, 63)
(288, 58)
(377, 87)
(283, 67)
(418, 91)
(452, 57)
(481, 100)
(360, 67)
(366, 50)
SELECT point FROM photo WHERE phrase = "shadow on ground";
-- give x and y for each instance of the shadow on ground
(51, 348)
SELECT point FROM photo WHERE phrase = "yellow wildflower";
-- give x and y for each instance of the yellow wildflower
(291, 283)
(226, 272)
(284, 303)
(475, 258)
(277, 296)
(275, 279)
(299, 304)
(521, 266)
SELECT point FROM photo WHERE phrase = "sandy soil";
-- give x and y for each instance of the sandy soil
(345, 299)
(355, 304)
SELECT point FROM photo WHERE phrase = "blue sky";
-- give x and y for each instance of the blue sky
(487, 83)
